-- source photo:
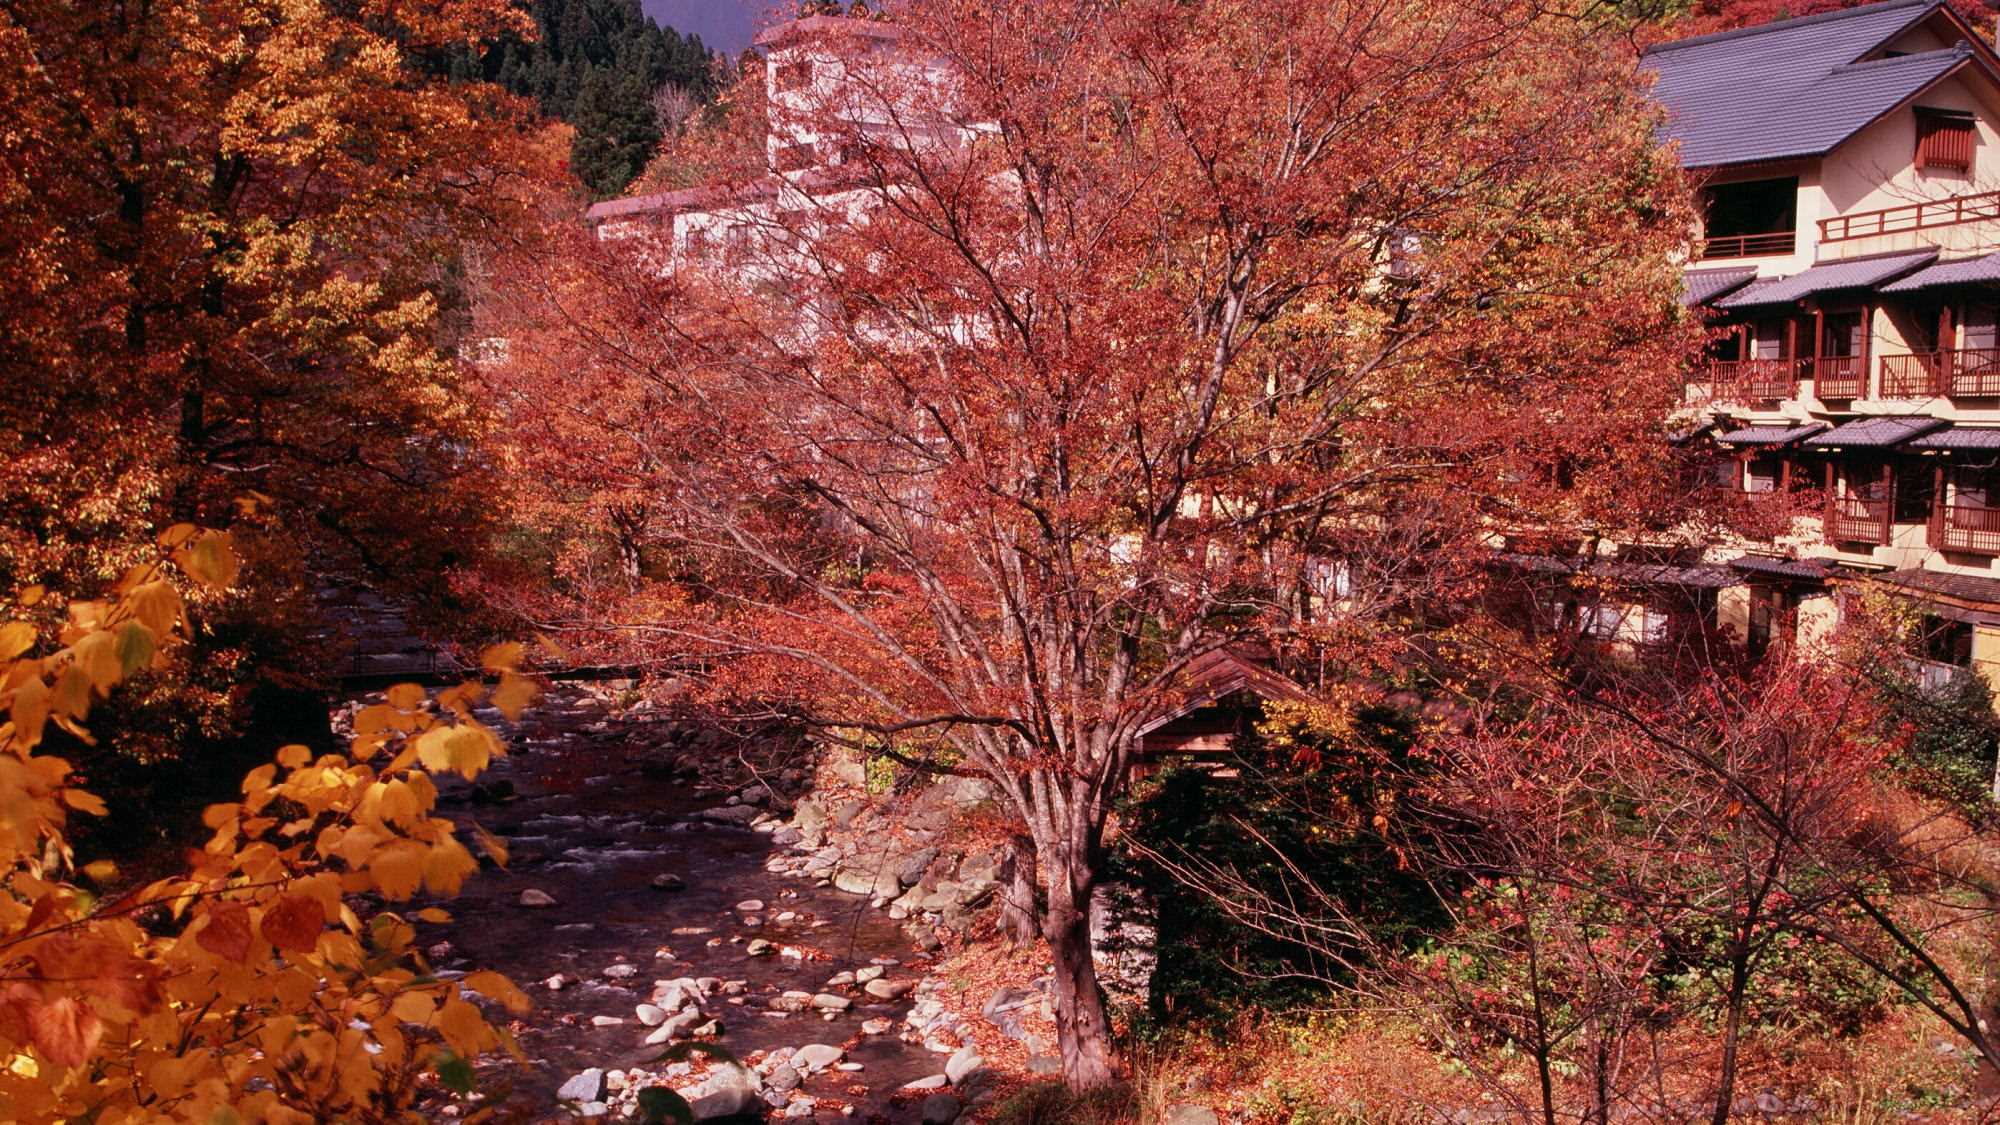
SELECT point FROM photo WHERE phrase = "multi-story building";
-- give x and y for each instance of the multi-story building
(1847, 265)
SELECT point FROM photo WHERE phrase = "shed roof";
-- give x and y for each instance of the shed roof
(1960, 438)
(1809, 569)
(1704, 286)
(1851, 273)
(1770, 435)
(1965, 271)
(1794, 88)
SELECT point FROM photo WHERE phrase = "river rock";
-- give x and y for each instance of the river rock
(668, 881)
(828, 1002)
(535, 899)
(583, 1086)
(652, 1015)
(739, 815)
(750, 905)
(758, 947)
(728, 1092)
(867, 973)
(620, 971)
(815, 1057)
(929, 1082)
(962, 1063)
(810, 818)
(1188, 1113)
(874, 884)
(941, 1109)
(882, 989)
(607, 1021)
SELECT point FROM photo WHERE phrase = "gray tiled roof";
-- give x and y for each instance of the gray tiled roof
(1874, 433)
(1965, 587)
(1770, 435)
(1960, 437)
(1965, 271)
(1783, 568)
(1704, 286)
(1791, 88)
(1854, 273)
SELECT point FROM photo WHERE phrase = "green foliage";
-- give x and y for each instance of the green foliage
(1950, 737)
(1052, 1103)
(597, 64)
(1802, 983)
(1330, 807)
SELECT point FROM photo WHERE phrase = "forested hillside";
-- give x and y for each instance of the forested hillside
(607, 69)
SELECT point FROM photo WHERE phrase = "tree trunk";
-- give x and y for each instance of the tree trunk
(1732, 1033)
(1083, 1028)
(1017, 899)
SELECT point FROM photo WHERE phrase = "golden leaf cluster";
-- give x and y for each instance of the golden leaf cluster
(246, 988)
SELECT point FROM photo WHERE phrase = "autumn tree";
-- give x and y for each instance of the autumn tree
(1116, 333)
(231, 248)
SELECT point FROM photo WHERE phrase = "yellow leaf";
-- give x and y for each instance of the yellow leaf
(494, 845)
(413, 1007)
(30, 712)
(514, 694)
(16, 637)
(135, 647)
(465, 749)
(464, 1028)
(293, 756)
(398, 868)
(83, 801)
(406, 697)
(102, 870)
(157, 605)
(497, 988)
(210, 559)
(446, 867)
(97, 655)
(501, 657)
(177, 535)
(434, 915)
(32, 595)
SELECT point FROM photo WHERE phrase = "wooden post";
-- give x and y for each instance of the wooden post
(1888, 520)
(1942, 370)
(1937, 506)
(1867, 349)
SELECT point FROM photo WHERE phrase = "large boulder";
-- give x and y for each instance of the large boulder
(729, 1092)
(941, 1109)
(583, 1086)
(1188, 1113)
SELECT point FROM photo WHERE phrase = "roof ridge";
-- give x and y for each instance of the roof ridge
(1797, 21)
(1957, 50)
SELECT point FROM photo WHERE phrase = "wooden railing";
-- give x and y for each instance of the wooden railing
(1857, 519)
(1971, 528)
(1840, 376)
(1746, 245)
(1754, 380)
(1959, 373)
(1912, 216)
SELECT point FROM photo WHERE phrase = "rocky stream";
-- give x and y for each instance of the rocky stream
(662, 889)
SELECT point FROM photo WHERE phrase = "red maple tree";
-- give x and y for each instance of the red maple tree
(1118, 338)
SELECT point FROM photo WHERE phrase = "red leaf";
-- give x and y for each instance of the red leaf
(63, 1030)
(293, 923)
(227, 934)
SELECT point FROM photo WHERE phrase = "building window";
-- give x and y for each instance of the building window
(1944, 140)
(1750, 218)
(1762, 474)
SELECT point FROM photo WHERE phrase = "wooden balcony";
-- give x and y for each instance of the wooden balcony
(1957, 373)
(1857, 519)
(1754, 380)
(1950, 211)
(1746, 245)
(1840, 376)
(1973, 529)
